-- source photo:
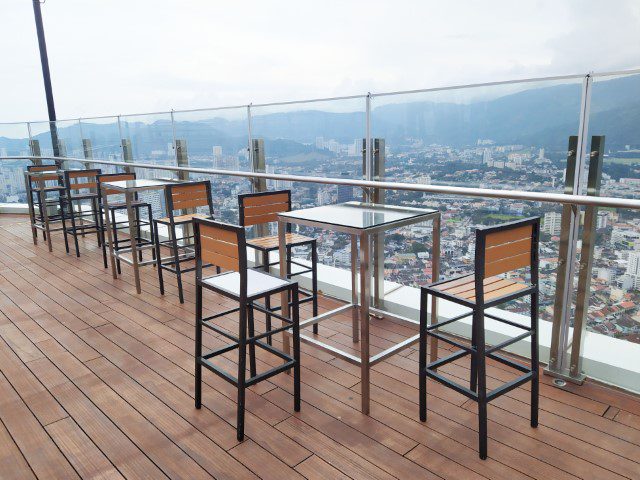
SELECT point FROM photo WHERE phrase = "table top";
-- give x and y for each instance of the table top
(133, 185)
(358, 215)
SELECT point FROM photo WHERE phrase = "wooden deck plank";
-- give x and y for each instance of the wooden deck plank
(127, 388)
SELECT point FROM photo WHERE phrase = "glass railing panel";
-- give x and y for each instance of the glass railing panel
(14, 141)
(69, 133)
(103, 135)
(150, 138)
(614, 294)
(509, 136)
(218, 139)
(315, 139)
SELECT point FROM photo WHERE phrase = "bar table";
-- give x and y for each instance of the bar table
(361, 221)
(129, 188)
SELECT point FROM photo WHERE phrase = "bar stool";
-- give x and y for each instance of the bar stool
(186, 197)
(500, 249)
(81, 185)
(225, 245)
(39, 181)
(263, 208)
(114, 207)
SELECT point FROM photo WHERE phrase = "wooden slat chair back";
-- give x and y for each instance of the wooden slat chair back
(189, 196)
(259, 208)
(44, 177)
(77, 180)
(113, 177)
(221, 244)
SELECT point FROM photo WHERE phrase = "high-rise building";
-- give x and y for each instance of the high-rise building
(552, 223)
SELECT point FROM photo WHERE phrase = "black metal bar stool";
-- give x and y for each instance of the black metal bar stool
(499, 249)
(41, 180)
(225, 245)
(185, 197)
(138, 205)
(81, 185)
(263, 208)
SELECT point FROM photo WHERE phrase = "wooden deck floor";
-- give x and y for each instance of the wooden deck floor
(97, 382)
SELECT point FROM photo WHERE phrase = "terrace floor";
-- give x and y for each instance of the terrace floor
(97, 382)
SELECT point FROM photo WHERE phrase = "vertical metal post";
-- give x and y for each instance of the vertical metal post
(46, 76)
(62, 152)
(34, 146)
(173, 135)
(258, 164)
(377, 196)
(586, 258)
(127, 154)
(182, 157)
(560, 343)
(87, 149)
(120, 135)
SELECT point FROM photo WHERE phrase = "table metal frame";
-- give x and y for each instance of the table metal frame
(361, 310)
(129, 193)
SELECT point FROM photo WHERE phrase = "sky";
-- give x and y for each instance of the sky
(132, 56)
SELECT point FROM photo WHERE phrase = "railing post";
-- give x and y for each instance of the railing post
(87, 149)
(559, 361)
(62, 152)
(34, 146)
(258, 165)
(377, 196)
(127, 154)
(182, 158)
(586, 257)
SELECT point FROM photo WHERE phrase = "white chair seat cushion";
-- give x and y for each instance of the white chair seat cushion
(257, 282)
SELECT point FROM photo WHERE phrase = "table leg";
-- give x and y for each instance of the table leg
(132, 238)
(435, 269)
(354, 288)
(365, 295)
(284, 296)
(107, 223)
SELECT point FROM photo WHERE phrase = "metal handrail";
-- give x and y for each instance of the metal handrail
(559, 198)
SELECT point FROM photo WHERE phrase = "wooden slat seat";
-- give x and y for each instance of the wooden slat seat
(272, 242)
(494, 287)
(186, 218)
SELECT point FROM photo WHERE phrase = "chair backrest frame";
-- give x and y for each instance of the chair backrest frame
(42, 176)
(113, 177)
(192, 192)
(88, 174)
(505, 248)
(221, 244)
(260, 208)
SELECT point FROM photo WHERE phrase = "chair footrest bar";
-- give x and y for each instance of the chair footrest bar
(508, 362)
(219, 351)
(448, 359)
(221, 314)
(508, 322)
(220, 331)
(264, 310)
(217, 370)
(509, 386)
(434, 326)
(506, 343)
(270, 373)
(450, 341)
(453, 385)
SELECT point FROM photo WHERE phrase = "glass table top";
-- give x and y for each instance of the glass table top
(139, 184)
(358, 215)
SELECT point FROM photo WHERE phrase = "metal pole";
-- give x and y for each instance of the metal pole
(46, 76)
(586, 259)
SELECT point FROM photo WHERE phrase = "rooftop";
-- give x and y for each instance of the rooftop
(97, 381)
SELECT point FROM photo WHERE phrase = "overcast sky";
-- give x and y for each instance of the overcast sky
(129, 56)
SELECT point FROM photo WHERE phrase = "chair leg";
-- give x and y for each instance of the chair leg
(242, 359)
(478, 321)
(151, 231)
(96, 211)
(156, 238)
(535, 380)
(422, 357)
(138, 231)
(267, 299)
(63, 217)
(115, 238)
(176, 259)
(104, 241)
(473, 379)
(295, 317)
(252, 345)
(74, 230)
(314, 282)
(198, 352)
